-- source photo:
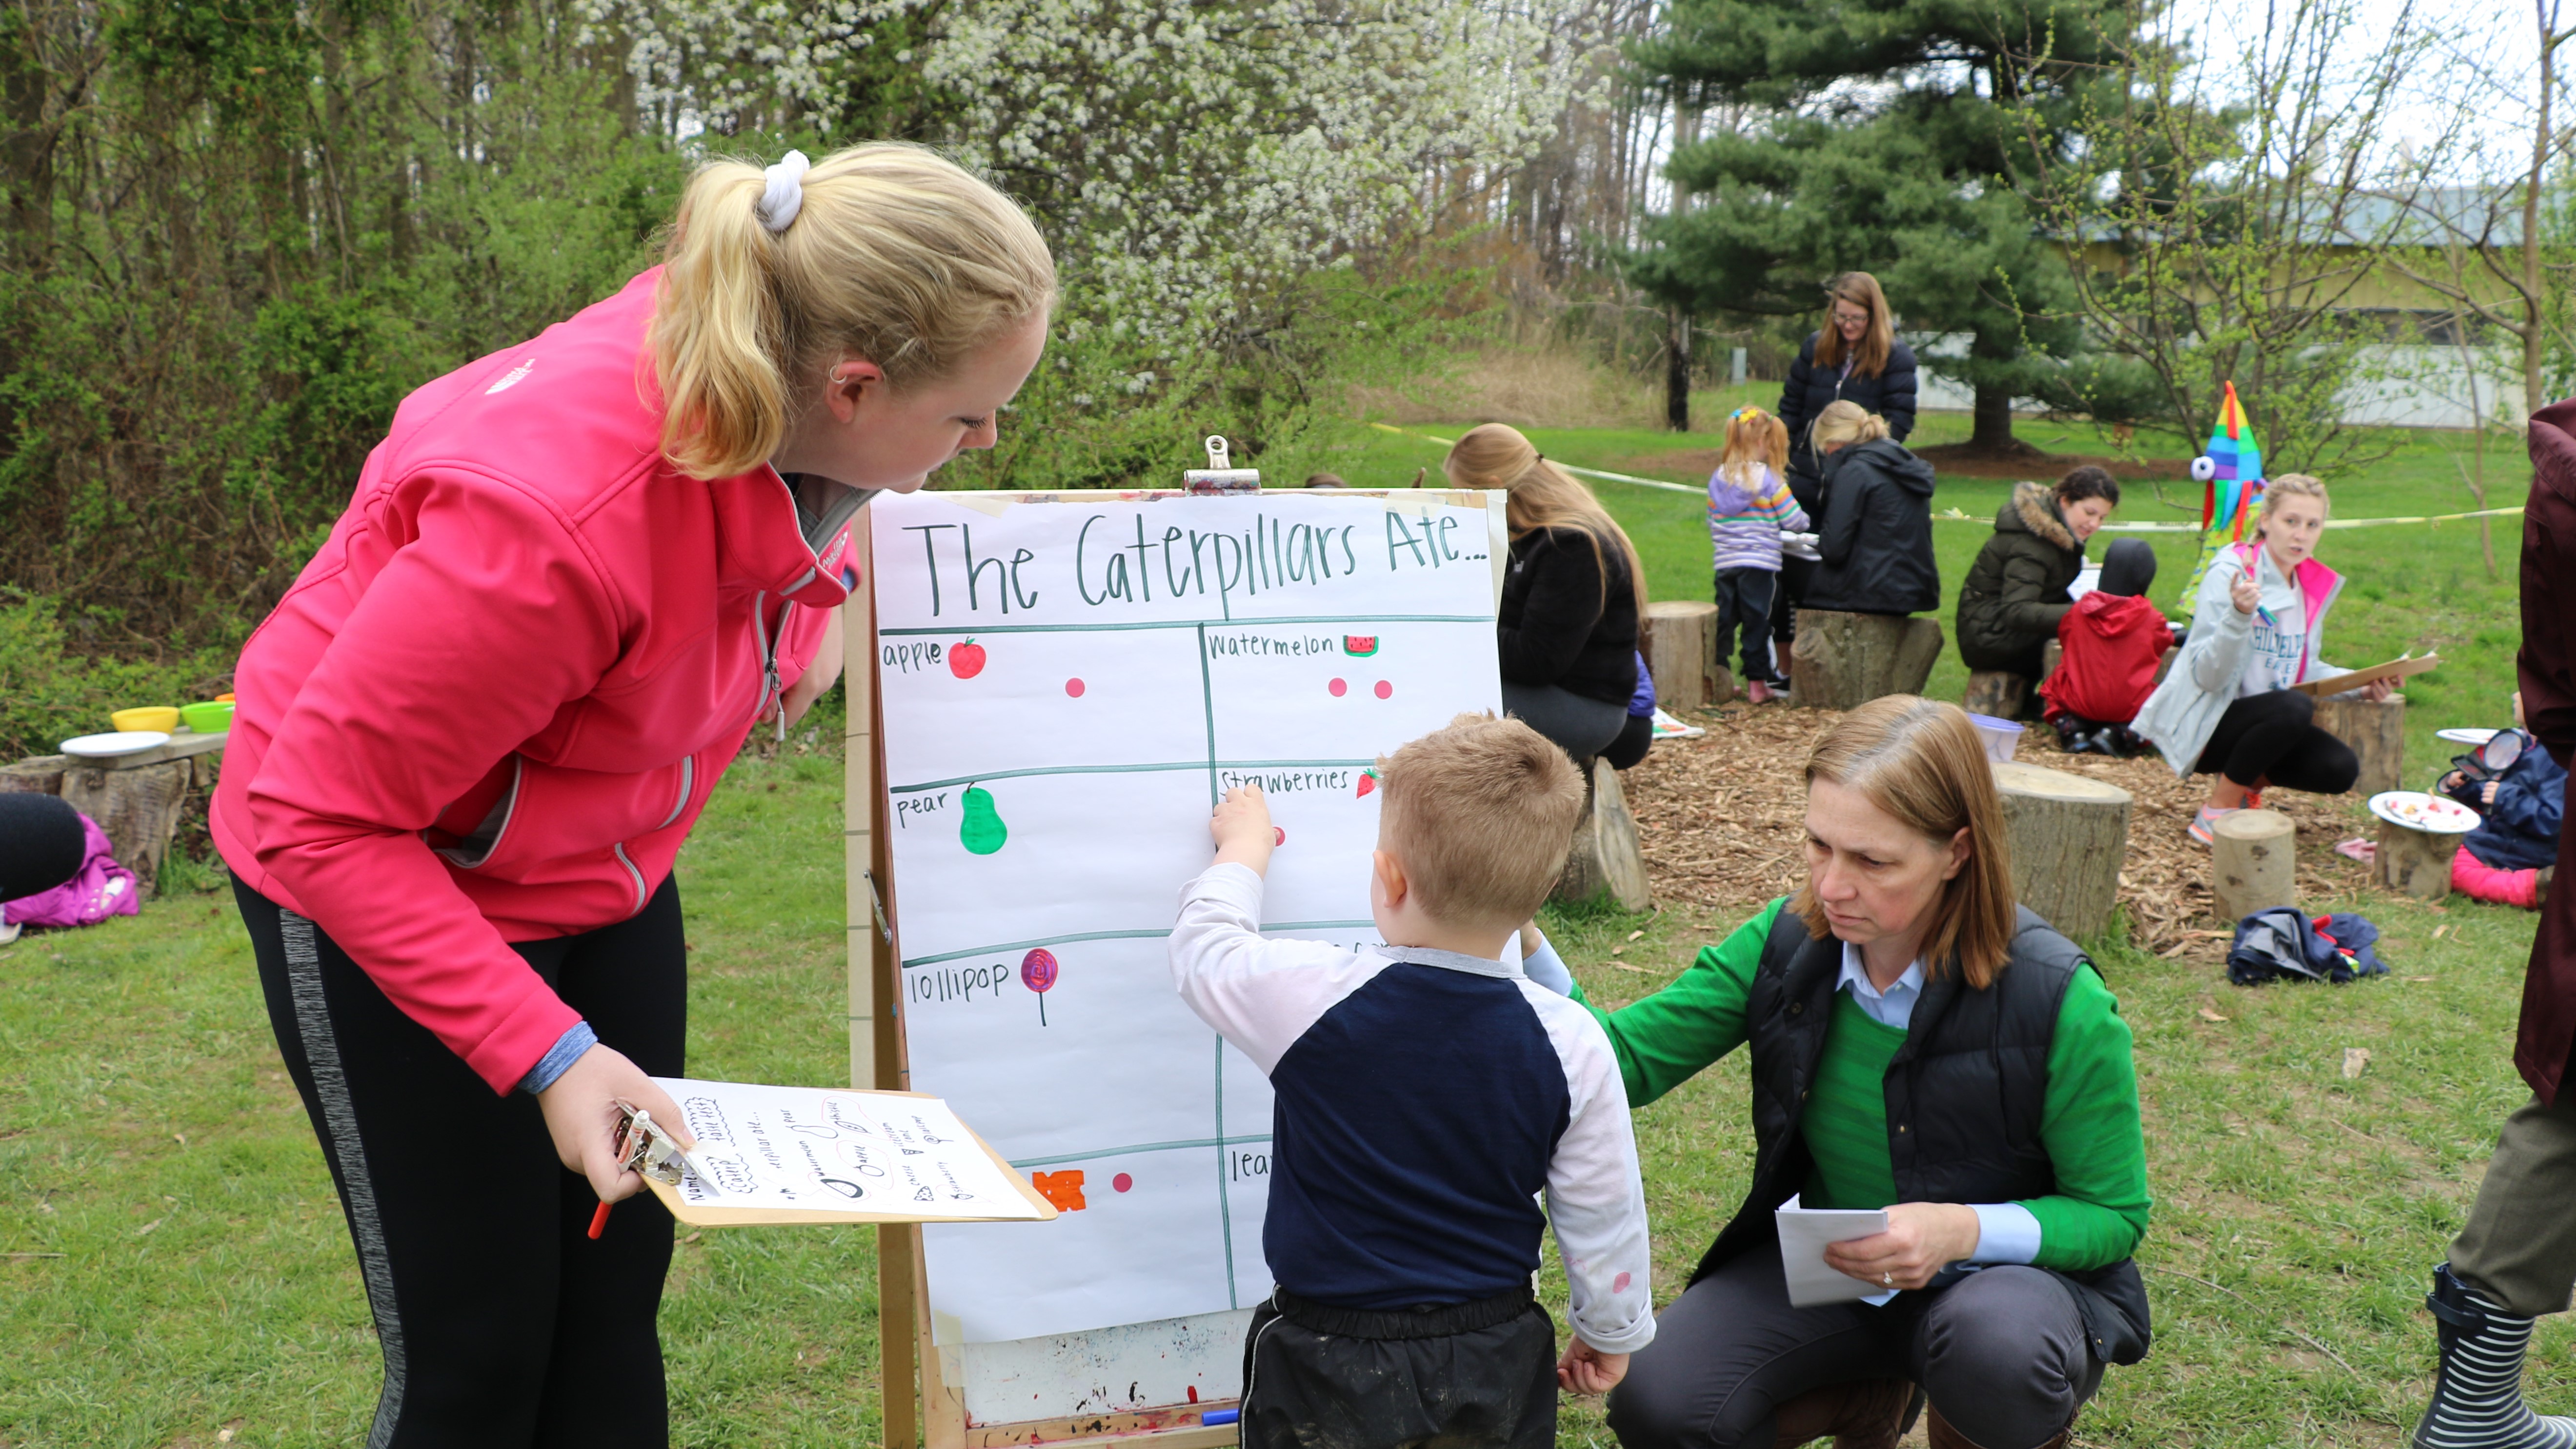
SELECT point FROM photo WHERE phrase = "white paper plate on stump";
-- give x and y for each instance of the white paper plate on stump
(2418, 811)
(108, 747)
(2466, 736)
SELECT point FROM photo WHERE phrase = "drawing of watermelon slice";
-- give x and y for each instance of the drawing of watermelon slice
(1359, 646)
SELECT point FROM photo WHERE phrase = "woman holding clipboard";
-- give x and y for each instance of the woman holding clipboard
(475, 732)
(2227, 707)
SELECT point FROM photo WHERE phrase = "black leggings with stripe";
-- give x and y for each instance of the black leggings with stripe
(502, 1323)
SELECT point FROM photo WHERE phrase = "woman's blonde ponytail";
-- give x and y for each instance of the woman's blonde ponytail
(717, 338)
(1844, 421)
(896, 255)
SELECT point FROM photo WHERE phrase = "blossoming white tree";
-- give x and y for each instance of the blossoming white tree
(1188, 157)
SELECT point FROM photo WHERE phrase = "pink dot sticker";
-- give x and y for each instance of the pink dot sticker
(1122, 1182)
(1278, 836)
(1337, 689)
(1385, 690)
(1073, 688)
(1617, 1285)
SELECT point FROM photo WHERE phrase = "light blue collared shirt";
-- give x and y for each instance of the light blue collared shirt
(2007, 1232)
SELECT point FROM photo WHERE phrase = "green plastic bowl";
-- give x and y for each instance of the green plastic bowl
(212, 718)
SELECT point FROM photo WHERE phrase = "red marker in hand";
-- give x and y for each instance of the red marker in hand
(599, 1222)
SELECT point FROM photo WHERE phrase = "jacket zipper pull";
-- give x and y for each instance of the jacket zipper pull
(778, 698)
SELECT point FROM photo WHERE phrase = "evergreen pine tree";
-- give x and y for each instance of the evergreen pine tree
(1894, 129)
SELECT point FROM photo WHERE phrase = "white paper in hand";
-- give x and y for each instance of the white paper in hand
(1804, 1232)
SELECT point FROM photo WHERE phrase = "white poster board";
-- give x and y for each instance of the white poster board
(1069, 683)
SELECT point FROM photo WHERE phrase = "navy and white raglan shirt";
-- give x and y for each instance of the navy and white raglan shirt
(1422, 1100)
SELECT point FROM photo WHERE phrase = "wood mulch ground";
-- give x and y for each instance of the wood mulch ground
(1721, 819)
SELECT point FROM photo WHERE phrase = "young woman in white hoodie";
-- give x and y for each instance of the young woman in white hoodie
(2227, 708)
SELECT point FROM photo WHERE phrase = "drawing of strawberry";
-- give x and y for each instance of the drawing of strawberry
(966, 660)
(1368, 783)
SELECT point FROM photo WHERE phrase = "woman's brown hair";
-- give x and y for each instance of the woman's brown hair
(1869, 355)
(1541, 495)
(896, 255)
(1919, 761)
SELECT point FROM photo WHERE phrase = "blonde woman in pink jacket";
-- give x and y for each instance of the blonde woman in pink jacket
(473, 735)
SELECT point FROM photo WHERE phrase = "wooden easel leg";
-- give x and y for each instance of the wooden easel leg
(897, 1291)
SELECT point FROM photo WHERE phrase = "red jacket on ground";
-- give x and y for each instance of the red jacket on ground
(2109, 646)
(493, 704)
(2547, 666)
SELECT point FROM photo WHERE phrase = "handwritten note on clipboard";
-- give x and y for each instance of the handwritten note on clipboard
(833, 1155)
(2395, 669)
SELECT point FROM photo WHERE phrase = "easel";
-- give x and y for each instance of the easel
(937, 1419)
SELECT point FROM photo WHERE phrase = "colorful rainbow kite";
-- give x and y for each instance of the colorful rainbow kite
(2231, 473)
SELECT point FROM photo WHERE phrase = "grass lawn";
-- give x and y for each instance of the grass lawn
(205, 1279)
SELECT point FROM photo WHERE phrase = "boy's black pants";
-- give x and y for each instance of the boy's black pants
(503, 1324)
(1465, 1376)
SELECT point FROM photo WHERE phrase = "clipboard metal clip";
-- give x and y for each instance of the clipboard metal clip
(645, 1149)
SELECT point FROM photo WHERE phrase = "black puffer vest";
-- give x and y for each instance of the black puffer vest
(1964, 1099)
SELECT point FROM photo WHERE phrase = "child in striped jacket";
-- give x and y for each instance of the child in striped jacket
(1748, 508)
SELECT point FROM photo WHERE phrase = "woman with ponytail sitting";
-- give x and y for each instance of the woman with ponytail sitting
(1567, 626)
(474, 734)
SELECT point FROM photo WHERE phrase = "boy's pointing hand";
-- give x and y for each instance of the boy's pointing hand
(1242, 829)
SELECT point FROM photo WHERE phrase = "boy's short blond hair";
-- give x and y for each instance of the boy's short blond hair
(1480, 814)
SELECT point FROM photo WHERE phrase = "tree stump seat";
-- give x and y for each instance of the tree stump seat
(2069, 836)
(2413, 862)
(1842, 661)
(2376, 733)
(1998, 693)
(2253, 863)
(1605, 861)
(1681, 648)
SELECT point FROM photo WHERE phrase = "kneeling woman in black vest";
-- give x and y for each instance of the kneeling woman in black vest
(1923, 1045)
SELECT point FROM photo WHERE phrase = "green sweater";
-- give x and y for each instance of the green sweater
(2089, 1122)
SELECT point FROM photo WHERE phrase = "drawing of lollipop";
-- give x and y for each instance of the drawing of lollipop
(1038, 971)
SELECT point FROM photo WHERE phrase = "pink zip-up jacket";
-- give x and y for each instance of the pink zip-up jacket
(493, 704)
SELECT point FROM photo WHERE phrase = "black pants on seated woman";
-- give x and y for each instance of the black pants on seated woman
(2273, 739)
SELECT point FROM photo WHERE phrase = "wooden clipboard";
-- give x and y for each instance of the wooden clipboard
(2406, 668)
(734, 1217)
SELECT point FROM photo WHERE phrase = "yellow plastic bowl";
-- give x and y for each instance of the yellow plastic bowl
(162, 717)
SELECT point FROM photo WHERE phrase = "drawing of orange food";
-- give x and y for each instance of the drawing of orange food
(1062, 1189)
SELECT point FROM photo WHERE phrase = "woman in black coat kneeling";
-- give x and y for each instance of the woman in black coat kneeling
(1876, 539)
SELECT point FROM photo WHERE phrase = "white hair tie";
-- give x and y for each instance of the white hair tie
(784, 196)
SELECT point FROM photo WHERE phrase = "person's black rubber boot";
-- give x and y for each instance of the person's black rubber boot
(2477, 1395)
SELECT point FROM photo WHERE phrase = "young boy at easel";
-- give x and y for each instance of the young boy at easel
(1425, 1093)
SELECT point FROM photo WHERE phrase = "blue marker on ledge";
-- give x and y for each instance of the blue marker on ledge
(1220, 1416)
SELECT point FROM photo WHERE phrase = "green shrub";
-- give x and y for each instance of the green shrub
(49, 693)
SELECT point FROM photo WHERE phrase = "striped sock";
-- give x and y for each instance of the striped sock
(2477, 1398)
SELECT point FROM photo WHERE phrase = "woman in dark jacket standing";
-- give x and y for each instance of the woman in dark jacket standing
(1854, 358)
(2016, 590)
(1567, 626)
(1875, 544)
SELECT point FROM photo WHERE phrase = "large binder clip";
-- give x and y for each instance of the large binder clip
(1219, 476)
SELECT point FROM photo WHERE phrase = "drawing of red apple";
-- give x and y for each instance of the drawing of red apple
(966, 660)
